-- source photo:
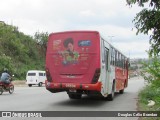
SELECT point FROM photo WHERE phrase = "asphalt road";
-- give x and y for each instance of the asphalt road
(39, 99)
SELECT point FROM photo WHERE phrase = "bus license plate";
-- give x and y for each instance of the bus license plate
(72, 90)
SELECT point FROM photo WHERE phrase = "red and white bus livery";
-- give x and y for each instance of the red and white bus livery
(82, 62)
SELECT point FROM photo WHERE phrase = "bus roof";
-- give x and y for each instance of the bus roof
(114, 47)
(84, 31)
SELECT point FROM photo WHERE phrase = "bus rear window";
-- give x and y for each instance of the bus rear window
(82, 43)
(31, 74)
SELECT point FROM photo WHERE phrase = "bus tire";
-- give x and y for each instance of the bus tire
(75, 96)
(111, 96)
(30, 85)
(121, 91)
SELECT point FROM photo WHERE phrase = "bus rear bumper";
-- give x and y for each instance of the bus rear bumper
(59, 87)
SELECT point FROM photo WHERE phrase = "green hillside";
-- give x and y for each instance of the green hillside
(19, 52)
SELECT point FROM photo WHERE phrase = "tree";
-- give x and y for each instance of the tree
(148, 20)
(19, 52)
(151, 69)
(42, 39)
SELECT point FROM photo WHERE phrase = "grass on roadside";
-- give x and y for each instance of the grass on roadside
(150, 92)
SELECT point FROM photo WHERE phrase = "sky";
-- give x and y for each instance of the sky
(112, 18)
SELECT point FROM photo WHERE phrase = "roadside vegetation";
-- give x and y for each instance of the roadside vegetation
(147, 21)
(151, 92)
(151, 74)
(19, 52)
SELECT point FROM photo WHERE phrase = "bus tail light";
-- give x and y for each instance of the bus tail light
(49, 78)
(96, 75)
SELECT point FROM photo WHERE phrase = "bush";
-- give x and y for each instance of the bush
(151, 74)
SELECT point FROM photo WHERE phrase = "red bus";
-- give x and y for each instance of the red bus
(82, 62)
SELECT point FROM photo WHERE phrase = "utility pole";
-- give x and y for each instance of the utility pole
(110, 38)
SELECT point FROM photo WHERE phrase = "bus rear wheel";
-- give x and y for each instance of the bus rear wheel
(75, 96)
(111, 96)
(121, 91)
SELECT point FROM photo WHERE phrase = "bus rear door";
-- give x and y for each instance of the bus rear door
(105, 72)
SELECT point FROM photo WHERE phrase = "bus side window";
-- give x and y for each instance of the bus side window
(125, 62)
(120, 60)
(103, 52)
(113, 56)
(116, 58)
(118, 64)
(106, 57)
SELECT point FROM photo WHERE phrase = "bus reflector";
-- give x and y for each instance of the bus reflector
(96, 75)
(49, 78)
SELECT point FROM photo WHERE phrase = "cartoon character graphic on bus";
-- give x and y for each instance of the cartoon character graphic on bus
(70, 56)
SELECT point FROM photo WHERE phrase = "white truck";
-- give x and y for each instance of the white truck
(35, 77)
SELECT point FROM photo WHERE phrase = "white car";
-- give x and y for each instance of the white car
(35, 77)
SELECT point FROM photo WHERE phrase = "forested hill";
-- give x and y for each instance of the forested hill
(19, 52)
